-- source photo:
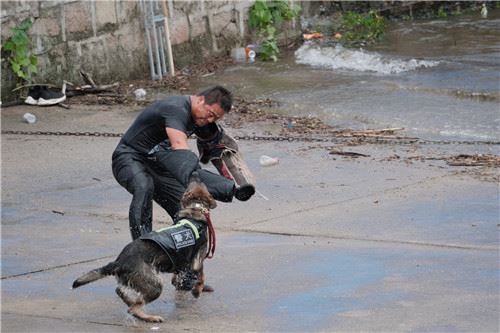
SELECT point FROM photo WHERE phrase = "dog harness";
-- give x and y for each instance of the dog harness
(181, 241)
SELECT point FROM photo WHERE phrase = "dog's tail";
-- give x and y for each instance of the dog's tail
(95, 274)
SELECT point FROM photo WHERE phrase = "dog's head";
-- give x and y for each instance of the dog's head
(197, 192)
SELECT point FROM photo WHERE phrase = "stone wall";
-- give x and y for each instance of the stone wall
(107, 39)
(100, 37)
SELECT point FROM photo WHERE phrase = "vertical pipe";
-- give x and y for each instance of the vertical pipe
(167, 39)
(148, 39)
(161, 32)
(155, 38)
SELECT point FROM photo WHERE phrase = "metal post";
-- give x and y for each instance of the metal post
(148, 38)
(162, 51)
(157, 37)
(167, 39)
(156, 44)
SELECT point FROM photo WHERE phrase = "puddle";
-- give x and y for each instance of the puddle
(336, 277)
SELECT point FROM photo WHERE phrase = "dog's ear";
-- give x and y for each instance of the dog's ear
(195, 177)
(187, 197)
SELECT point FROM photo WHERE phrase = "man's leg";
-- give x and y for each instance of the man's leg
(132, 174)
(168, 192)
(221, 188)
(141, 207)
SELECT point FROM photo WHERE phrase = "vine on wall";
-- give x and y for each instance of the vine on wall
(18, 48)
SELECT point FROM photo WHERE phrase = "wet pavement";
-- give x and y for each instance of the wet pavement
(341, 244)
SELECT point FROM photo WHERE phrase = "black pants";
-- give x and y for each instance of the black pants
(163, 178)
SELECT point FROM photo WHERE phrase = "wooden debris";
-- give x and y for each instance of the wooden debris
(347, 153)
(91, 87)
(474, 160)
(376, 132)
(63, 105)
(87, 78)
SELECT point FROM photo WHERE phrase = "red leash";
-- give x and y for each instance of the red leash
(211, 236)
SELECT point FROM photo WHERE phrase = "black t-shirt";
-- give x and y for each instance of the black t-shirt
(148, 129)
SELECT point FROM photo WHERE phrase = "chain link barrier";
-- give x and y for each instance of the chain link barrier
(336, 139)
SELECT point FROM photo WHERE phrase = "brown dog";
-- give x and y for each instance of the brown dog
(168, 250)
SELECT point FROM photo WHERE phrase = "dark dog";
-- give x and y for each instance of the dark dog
(167, 250)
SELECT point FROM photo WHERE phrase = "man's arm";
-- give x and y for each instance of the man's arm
(178, 139)
(176, 157)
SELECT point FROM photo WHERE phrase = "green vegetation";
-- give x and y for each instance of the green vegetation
(18, 46)
(361, 28)
(441, 13)
(266, 16)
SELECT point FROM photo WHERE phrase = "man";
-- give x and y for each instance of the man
(153, 159)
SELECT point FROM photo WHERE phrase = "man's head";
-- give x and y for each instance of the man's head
(210, 105)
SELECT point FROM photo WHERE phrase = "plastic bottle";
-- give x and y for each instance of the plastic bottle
(29, 118)
(140, 94)
(251, 56)
(265, 160)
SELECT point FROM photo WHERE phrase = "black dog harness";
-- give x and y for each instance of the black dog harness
(181, 241)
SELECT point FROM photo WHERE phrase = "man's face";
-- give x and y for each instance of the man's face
(204, 114)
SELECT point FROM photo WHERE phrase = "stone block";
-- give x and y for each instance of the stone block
(221, 23)
(106, 19)
(18, 9)
(78, 23)
(179, 30)
(47, 26)
(127, 11)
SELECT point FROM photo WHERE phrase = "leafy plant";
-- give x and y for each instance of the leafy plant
(266, 16)
(441, 13)
(362, 29)
(22, 62)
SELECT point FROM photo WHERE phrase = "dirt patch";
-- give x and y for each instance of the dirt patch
(123, 93)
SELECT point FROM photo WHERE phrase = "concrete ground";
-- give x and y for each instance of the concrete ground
(375, 243)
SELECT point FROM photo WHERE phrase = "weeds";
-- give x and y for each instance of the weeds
(266, 16)
(18, 46)
(362, 29)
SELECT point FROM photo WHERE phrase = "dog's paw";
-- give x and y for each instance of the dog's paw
(156, 319)
(195, 292)
(152, 319)
(138, 312)
(208, 289)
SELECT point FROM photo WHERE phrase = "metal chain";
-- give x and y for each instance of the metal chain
(63, 133)
(341, 139)
(365, 139)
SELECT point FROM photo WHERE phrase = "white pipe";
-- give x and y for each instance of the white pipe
(156, 42)
(167, 37)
